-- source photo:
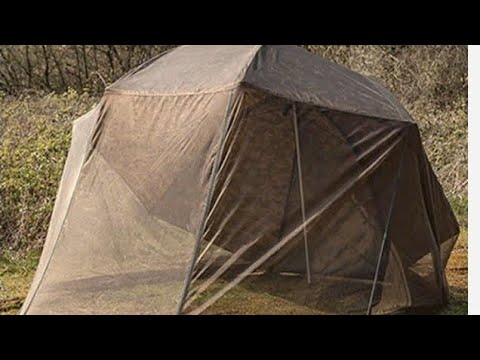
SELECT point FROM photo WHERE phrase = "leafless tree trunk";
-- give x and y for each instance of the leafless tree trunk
(111, 60)
(119, 58)
(6, 82)
(85, 62)
(47, 68)
(59, 70)
(131, 51)
(95, 60)
(8, 68)
(29, 65)
(78, 69)
(16, 67)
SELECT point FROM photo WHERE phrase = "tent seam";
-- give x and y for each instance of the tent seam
(382, 92)
(286, 97)
(120, 91)
(243, 73)
(402, 273)
(142, 66)
(124, 92)
(291, 185)
(436, 251)
(135, 195)
(209, 199)
(344, 137)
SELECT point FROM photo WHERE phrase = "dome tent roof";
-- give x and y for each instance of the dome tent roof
(287, 71)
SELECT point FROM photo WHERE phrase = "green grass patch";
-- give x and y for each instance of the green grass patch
(459, 205)
(16, 276)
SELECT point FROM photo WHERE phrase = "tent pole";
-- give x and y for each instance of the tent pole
(386, 232)
(203, 224)
(302, 198)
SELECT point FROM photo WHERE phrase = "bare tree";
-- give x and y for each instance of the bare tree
(47, 68)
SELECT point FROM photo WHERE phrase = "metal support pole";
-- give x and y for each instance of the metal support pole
(302, 198)
(385, 233)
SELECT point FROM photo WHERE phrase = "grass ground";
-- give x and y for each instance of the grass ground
(457, 274)
(242, 301)
(16, 275)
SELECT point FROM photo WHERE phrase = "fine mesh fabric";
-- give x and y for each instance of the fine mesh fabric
(82, 131)
(423, 264)
(219, 170)
(129, 234)
(348, 185)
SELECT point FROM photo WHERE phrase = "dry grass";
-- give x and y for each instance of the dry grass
(16, 276)
(457, 274)
(242, 301)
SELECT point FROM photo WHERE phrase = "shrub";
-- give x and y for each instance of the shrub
(34, 140)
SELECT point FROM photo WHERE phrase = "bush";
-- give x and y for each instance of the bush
(34, 139)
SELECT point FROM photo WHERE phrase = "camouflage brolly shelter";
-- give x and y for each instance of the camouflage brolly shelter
(266, 167)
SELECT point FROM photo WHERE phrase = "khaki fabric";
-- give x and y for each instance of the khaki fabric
(284, 70)
(265, 167)
(82, 131)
